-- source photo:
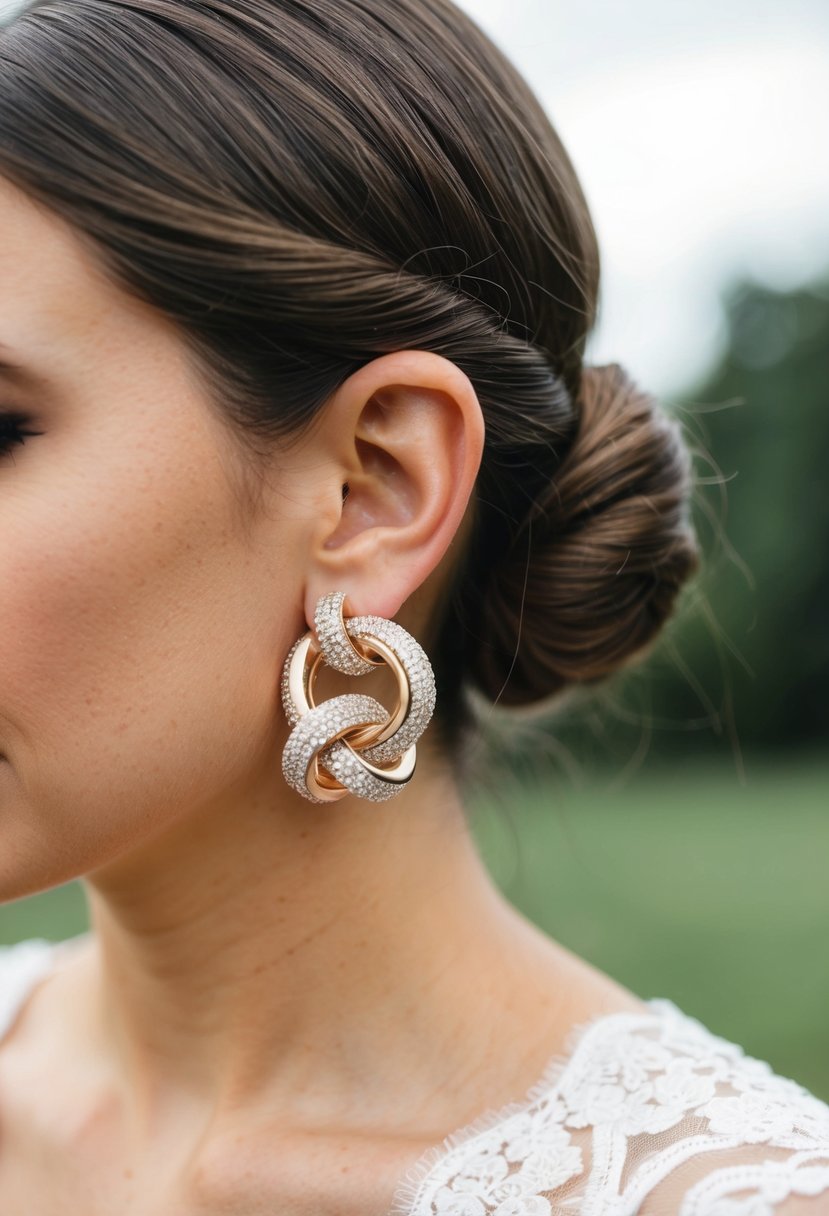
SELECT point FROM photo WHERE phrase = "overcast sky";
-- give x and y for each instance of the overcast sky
(700, 132)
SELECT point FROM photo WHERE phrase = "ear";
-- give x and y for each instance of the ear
(402, 443)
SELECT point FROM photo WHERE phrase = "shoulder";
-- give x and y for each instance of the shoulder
(22, 961)
(24, 964)
(651, 1114)
(703, 1128)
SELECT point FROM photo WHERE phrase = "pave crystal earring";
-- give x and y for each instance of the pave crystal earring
(351, 744)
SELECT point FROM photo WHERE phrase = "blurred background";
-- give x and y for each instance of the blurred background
(673, 828)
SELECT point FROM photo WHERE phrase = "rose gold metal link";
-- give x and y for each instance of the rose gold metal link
(305, 666)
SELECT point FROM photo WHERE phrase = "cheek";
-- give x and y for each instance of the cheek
(140, 648)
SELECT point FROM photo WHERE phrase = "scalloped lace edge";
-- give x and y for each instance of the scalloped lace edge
(409, 1191)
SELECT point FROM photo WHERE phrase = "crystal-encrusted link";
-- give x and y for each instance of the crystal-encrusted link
(345, 765)
(421, 683)
(316, 732)
(337, 650)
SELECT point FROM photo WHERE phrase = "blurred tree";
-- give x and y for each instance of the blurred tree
(767, 577)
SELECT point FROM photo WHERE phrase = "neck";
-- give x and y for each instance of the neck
(307, 957)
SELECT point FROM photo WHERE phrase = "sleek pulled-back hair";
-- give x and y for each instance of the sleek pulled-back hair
(303, 185)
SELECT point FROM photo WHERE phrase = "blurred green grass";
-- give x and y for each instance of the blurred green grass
(689, 882)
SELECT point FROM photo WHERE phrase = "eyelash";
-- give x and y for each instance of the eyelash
(12, 432)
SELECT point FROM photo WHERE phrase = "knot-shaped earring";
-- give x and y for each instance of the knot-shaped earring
(351, 743)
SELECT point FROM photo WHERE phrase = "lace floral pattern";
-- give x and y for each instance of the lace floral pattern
(627, 1077)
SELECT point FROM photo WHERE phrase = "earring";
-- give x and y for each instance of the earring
(351, 743)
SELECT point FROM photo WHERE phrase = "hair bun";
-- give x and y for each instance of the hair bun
(595, 571)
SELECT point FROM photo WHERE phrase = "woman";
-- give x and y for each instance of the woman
(293, 306)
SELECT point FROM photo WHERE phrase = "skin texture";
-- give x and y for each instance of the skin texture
(334, 982)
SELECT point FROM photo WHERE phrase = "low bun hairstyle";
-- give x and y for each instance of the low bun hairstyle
(594, 570)
(300, 186)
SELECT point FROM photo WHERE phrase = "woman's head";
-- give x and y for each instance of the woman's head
(259, 230)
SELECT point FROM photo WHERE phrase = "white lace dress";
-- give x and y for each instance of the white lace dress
(644, 1113)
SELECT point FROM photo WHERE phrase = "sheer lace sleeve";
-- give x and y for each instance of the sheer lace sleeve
(652, 1115)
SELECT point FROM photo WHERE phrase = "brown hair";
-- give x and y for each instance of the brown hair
(303, 185)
